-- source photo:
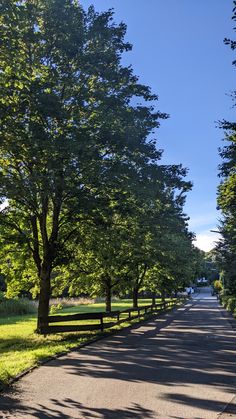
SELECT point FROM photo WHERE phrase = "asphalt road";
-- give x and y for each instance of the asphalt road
(182, 365)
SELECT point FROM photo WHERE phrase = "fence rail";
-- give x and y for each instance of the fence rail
(118, 316)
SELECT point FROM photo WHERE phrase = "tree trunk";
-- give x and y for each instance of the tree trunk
(135, 297)
(108, 294)
(44, 298)
(138, 283)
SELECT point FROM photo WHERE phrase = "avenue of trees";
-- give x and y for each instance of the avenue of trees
(227, 197)
(87, 206)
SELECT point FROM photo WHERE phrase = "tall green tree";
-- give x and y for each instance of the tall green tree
(69, 131)
(134, 235)
(227, 195)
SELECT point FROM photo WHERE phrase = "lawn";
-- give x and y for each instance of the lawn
(21, 348)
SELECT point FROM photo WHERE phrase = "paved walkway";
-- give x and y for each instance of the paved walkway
(182, 365)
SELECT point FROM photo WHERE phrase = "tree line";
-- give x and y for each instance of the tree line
(226, 248)
(88, 207)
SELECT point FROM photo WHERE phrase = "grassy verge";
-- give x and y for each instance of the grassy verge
(21, 348)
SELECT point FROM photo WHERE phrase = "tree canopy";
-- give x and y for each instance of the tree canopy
(80, 169)
(227, 196)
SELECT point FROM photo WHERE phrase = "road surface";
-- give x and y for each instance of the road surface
(182, 365)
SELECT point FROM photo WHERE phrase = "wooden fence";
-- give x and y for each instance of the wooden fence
(104, 320)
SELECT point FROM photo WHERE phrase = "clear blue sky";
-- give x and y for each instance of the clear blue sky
(178, 50)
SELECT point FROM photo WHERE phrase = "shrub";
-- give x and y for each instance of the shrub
(231, 304)
(222, 298)
(2, 296)
(55, 308)
(226, 292)
(14, 307)
(217, 285)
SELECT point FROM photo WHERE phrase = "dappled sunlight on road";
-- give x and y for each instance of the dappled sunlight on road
(181, 365)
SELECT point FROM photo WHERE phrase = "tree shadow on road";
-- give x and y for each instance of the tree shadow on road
(178, 355)
(204, 404)
(68, 408)
(197, 348)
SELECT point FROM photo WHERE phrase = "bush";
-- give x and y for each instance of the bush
(2, 296)
(217, 285)
(226, 292)
(55, 308)
(15, 307)
(229, 302)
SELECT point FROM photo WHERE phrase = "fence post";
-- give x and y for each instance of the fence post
(102, 325)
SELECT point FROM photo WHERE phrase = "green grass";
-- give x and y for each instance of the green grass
(21, 348)
(116, 305)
